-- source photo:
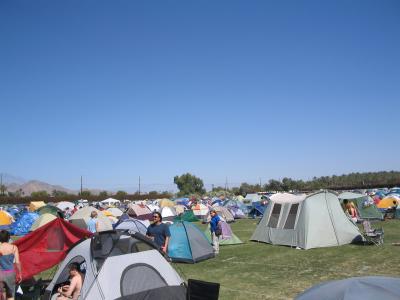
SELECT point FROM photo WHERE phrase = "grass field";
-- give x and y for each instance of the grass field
(262, 271)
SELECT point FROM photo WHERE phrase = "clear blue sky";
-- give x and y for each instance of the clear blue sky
(240, 89)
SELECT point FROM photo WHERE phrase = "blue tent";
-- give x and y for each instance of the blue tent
(23, 225)
(257, 211)
(188, 243)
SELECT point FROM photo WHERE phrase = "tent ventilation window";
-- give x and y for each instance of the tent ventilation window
(140, 277)
(291, 218)
(274, 218)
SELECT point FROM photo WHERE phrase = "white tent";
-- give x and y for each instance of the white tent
(117, 265)
(307, 222)
(64, 204)
(110, 201)
(82, 217)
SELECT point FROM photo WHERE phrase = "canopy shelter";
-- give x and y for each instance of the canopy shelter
(47, 246)
(119, 265)
(82, 217)
(110, 202)
(364, 204)
(365, 288)
(188, 243)
(312, 221)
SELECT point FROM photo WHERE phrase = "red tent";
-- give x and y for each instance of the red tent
(47, 246)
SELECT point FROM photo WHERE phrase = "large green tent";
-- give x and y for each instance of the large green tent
(187, 216)
(364, 204)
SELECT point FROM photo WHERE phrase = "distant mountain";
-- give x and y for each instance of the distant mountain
(9, 179)
(36, 186)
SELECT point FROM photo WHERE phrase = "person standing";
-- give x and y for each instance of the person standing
(93, 224)
(159, 232)
(215, 228)
(9, 257)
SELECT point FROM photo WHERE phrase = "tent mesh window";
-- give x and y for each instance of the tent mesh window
(140, 277)
(274, 218)
(291, 218)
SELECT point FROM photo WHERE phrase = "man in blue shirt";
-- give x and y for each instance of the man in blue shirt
(215, 230)
(159, 232)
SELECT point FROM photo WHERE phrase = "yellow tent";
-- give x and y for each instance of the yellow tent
(34, 205)
(107, 213)
(166, 203)
(42, 220)
(5, 218)
(387, 202)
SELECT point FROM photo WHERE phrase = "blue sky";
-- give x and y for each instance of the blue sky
(243, 90)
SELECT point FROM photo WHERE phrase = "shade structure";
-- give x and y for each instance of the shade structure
(365, 288)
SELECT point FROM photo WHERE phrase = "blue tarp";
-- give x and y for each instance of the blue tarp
(23, 225)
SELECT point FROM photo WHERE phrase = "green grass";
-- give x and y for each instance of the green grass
(262, 271)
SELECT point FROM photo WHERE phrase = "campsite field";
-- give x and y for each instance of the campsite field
(262, 271)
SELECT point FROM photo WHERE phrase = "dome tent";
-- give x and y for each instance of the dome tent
(24, 223)
(118, 265)
(42, 220)
(188, 243)
(366, 288)
(82, 217)
(132, 225)
(227, 237)
(312, 221)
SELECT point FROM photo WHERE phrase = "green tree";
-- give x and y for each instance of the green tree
(39, 194)
(57, 193)
(85, 194)
(121, 194)
(189, 184)
(3, 190)
(103, 194)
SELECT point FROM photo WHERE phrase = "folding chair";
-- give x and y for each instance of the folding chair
(372, 235)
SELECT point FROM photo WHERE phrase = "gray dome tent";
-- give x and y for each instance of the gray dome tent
(120, 265)
(366, 288)
(312, 221)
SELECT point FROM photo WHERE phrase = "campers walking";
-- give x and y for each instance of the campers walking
(159, 232)
(93, 224)
(215, 230)
(9, 256)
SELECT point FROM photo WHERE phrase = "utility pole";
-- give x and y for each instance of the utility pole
(139, 185)
(1, 185)
(226, 184)
(81, 186)
(260, 185)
